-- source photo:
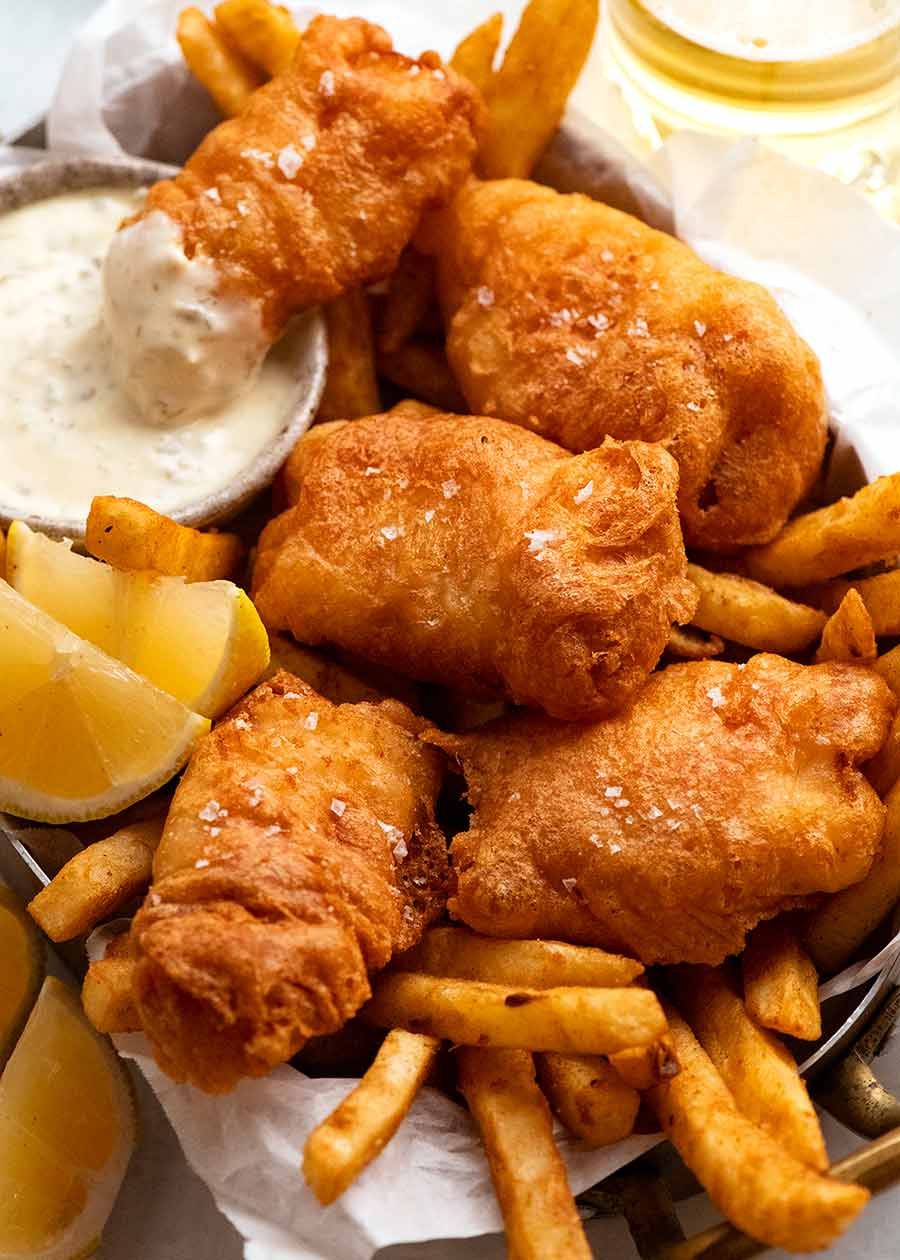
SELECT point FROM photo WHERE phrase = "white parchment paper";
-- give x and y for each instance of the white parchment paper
(834, 266)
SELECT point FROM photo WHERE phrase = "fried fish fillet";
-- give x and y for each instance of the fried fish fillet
(469, 552)
(312, 190)
(581, 322)
(300, 852)
(723, 795)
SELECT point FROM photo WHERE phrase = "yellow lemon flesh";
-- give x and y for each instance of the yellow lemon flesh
(67, 1130)
(81, 735)
(21, 968)
(202, 642)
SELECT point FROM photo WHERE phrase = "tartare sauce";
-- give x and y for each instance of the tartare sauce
(68, 430)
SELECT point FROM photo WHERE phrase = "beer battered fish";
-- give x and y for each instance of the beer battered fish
(581, 322)
(300, 853)
(723, 795)
(468, 552)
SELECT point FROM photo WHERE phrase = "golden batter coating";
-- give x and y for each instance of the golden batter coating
(580, 322)
(299, 854)
(469, 552)
(319, 183)
(723, 795)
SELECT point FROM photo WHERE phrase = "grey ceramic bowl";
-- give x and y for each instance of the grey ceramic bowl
(60, 175)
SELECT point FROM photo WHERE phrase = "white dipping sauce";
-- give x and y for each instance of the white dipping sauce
(182, 349)
(68, 431)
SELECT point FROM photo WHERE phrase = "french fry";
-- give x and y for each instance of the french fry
(226, 75)
(359, 1128)
(589, 1096)
(470, 1012)
(835, 931)
(781, 986)
(351, 387)
(460, 954)
(265, 34)
(527, 95)
(747, 612)
(424, 372)
(848, 634)
(880, 594)
(758, 1070)
(96, 882)
(750, 1177)
(2, 555)
(474, 55)
(690, 645)
(130, 535)
(410, 293)
(837, 539)
(888, 666)
(107, 994)
(529, 1176)
(642, 1067)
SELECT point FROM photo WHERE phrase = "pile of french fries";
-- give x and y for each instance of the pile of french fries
(537, 1028)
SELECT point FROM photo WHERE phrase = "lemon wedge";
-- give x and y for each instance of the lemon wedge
(202, 642)
(81, 735)
(22, 968)
(67, 1130)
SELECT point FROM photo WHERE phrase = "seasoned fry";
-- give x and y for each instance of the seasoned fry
(130, 535)
(589, 1096)
(106, 994)
(424, 372)
(96, 882)
(2, 555)
(351, 388)
(463, 955)
(529, 1176)
(747, 612)
(848, 634)
(474, 55)
(883, 770)
(410, 294)
(837, 539)
(838, 928)
(470, 1012)
(358, 1129)
(765, 1191)
(880, 594)
(689, 644)
(781, 986)
(527, 95)
(225, 74)
(264, 33)
(642, 1067)
(758, 1070)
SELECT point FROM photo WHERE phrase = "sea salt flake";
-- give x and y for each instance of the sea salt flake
(716, 697)
(584, 493)
(372, 471)
(391, 532)
(570, 884)
(438, 74)
(414, 70)
(289, 161)
(326, 83)
(622, 803)
(400, 851)
(653, 812)
(241, 724)
(201, 863)
(607, 255)
(309, 142)
(616, 848)
(654, 284)
(673, 824)
(337, 807)
(310, 722)
(274, 830)
(593, 838)
(255, 795)
(613, 791)
(450, 488)
(515, 796)
(403, 483)
(291, 770)
(243, 208)
(696, 811)
(213, 194)
(726, 337)
(292, 695)
(699, 328)
(575, 357)
(638, 328)
(429, 516)
(538, 539)
(692, 406)
(604, 811)
(485, 296)
(210, 811)
(567, 315)
(599, 322)
(259, 155)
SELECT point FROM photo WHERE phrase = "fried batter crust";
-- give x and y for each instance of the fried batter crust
(722, 796)
(469, 552)
(300, 852)
(376, 139)
(579, 322)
